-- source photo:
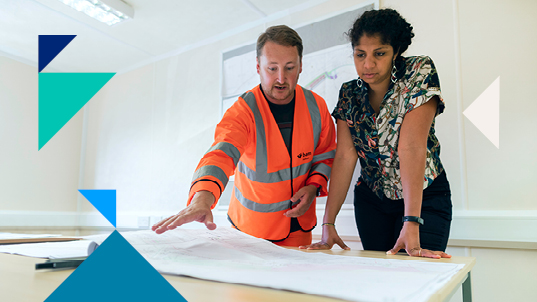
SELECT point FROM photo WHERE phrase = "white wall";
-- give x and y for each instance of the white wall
(501, 179)
(148, 132)
(32, 180)
(500, 274)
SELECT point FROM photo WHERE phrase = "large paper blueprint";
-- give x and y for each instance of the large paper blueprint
(230, 256)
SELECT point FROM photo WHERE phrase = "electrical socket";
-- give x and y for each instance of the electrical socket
(143, 222)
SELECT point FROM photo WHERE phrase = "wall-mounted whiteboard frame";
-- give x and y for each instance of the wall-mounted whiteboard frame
(317, 35)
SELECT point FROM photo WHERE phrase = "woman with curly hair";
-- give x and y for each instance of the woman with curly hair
(385, 118)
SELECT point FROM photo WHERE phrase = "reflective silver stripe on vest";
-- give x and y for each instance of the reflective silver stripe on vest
(228, 149)
(261, 145)
(321, 168)
(261, 207)
(274, 176)
(315, 116)
(211, 171)
(323, 156)
(260, 174)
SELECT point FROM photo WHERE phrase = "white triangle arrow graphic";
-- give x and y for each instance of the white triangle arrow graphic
(484, 113)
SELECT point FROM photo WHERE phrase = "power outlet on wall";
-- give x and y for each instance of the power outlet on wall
(143, 222)
(154, 219)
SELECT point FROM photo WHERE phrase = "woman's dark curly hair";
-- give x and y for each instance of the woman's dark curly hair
(391, 27)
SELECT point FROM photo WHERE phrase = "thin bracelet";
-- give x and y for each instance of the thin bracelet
(327, 223)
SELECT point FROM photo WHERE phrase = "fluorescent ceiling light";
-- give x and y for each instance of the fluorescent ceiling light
(107, 11)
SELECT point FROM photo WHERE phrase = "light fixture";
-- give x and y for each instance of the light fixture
(107, 11)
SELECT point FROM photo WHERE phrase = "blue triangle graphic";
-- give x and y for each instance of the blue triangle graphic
(115, 272)
(50, 46)
(104, 201)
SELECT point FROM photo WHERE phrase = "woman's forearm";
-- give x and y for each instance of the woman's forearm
(412, 151)
(342, 169)
(412, 169)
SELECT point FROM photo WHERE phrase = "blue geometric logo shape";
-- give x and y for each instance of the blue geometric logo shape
(115, 272)
(104, 201)
(62, 95)
(50, 46)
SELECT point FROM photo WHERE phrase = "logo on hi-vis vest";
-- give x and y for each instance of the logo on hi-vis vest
(303, 155)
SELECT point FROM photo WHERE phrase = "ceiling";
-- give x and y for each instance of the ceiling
(160, 28)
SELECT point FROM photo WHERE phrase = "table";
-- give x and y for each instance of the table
(19, 281)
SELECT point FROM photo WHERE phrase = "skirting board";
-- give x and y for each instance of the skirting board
(493, 226)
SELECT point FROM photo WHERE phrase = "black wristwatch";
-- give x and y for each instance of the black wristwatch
(413, 218)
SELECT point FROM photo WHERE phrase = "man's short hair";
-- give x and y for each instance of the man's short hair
(281, 35)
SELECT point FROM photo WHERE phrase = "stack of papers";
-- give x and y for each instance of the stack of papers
(51, 250)
(10, 238)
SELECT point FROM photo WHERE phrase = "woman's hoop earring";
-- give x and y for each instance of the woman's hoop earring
(360, 82)
(394, 71)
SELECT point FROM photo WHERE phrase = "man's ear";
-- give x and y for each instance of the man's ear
(257, 64)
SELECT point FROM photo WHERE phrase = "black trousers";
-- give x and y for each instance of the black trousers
(379, 220)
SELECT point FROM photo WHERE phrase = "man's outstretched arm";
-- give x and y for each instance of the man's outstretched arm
(199, 210)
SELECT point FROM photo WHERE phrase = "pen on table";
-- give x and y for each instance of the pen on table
(59, 263)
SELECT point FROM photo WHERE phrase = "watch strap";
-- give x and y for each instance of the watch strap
(413, 219)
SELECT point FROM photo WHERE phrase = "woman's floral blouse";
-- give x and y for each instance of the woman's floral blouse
(376, 136)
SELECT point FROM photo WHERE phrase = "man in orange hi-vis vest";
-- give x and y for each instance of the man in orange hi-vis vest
(279, 140)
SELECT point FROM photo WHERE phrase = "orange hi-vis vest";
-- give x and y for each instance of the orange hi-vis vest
(249, 144)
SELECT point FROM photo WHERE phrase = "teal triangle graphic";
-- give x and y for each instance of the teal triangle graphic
(61, 95)
(115, 272)
(104, 201)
